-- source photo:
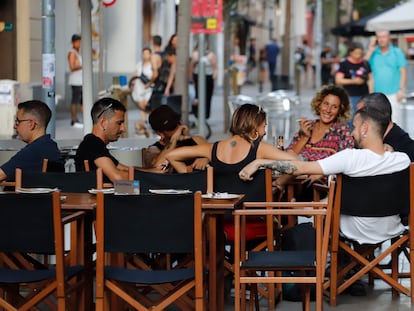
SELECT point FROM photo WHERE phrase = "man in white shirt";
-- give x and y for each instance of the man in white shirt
(369, 160)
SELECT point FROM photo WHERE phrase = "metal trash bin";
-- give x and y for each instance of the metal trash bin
(9, 98)
(280, 108)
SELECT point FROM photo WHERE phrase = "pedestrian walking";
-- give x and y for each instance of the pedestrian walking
(389, 70)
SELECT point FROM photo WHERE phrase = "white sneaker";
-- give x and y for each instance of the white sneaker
(77, 125)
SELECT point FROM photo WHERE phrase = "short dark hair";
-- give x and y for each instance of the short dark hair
(76, 37)
(157, 40)
(105, 106)
(379, 101)
(376, 115)
(38, 109)
(164, 118)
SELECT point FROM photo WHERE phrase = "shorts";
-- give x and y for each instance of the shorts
(76, 95)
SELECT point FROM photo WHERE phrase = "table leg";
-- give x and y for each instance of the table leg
(216, 262)
(88, 262)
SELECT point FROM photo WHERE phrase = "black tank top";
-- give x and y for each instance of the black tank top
(235, 167)
(226, 176)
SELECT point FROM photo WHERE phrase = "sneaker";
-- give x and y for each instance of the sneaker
(76, 124)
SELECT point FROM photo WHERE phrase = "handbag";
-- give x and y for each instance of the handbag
(144, 79)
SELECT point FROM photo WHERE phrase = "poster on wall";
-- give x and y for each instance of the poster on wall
(48, 70)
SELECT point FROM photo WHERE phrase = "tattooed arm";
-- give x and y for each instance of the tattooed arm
(285, 167)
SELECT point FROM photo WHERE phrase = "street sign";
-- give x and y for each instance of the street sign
(4, 26)
(206, 16)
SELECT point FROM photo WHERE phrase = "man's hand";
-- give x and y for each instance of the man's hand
(247, 172)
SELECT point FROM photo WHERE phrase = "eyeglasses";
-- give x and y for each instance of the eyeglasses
(104, 110)
(17, 121)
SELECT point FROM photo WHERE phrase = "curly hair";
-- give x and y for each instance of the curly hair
(344, 108)
(246, 119)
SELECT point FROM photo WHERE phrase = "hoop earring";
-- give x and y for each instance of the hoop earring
(255, 138)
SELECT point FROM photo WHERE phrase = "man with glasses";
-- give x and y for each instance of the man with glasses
(108, 117)
(32, 118)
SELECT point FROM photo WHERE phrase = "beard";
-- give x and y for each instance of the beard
(357, 143)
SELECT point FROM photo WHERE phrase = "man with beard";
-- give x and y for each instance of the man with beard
(108, 117)
(394, 135)
(370, 159)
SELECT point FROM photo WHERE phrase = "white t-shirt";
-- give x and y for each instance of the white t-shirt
(364, 162)
(75, 77)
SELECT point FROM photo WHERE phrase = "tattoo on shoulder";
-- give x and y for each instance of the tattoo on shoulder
(284, 167)
(233, 143)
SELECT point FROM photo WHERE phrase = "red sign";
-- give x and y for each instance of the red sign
(206, 16)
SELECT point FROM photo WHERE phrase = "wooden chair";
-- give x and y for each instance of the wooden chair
(32, 224)
(121, 217)
(47, 166)
(360, 196)
(261, 266)
(255, 228)
(100, 173)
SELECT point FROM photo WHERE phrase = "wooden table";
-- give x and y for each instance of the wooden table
(214, 210)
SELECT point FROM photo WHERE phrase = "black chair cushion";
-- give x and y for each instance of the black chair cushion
(280, 259)
(148, 277)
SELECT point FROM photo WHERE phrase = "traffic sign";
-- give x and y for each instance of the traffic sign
(206, 16)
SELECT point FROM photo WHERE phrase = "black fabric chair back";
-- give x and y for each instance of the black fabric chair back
(376, 196)
(26, 223)
(194, 181)
(77, 182)
(149, 223)
(254, 190)
(55, 166)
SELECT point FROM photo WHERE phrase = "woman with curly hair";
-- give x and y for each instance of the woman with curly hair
(320, 138)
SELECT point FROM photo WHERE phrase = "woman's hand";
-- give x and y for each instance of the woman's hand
(310, 179)
(305, 127)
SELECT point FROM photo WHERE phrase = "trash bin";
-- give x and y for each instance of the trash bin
(279, 106)
(9, 97)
